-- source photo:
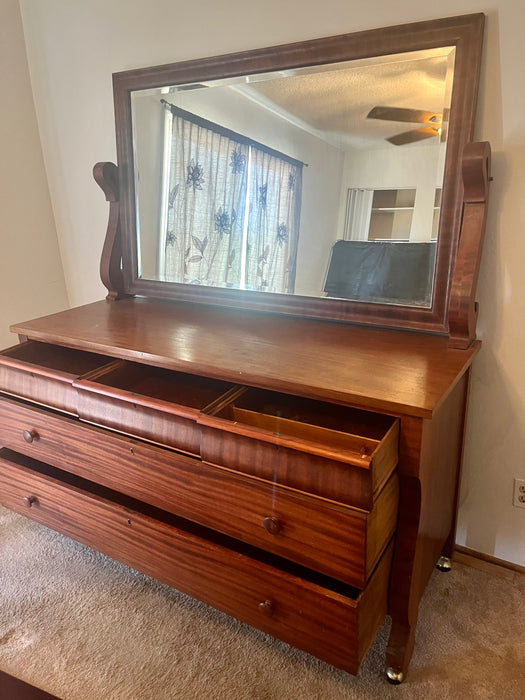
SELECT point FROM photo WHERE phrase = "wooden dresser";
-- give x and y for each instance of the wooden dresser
(257, 462)
(291, 460)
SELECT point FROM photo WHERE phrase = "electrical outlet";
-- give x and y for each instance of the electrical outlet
(519, 493)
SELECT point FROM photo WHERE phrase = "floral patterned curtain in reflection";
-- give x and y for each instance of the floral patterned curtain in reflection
(273, 229)
(232, 209)
(207, 193)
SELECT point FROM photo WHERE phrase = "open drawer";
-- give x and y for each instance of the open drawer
(337, 452)
(44, 373)
(155, 404)
(330, 620)
(334, 539)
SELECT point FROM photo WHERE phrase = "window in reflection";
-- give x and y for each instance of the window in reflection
(232, 208)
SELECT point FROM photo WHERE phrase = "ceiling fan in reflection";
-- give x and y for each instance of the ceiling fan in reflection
(433, 122)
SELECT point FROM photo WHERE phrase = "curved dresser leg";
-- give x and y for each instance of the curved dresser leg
(399, 651)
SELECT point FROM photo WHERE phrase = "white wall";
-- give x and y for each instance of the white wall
(74, 46)
(148, 143)
(31, 277)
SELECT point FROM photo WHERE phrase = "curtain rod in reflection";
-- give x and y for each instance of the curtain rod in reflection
(240, 138)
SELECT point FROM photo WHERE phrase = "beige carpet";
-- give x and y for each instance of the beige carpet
(84, 627)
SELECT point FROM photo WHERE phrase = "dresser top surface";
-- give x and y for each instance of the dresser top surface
(399, 372)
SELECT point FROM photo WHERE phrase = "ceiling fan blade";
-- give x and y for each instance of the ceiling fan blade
(400, 114)
(414, 135)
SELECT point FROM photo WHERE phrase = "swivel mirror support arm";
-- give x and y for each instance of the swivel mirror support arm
(106, 176)
(463, 309)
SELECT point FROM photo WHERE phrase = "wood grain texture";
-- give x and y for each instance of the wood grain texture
(45, 373)
(324, 535)
(107, 177)
(429, 465)
(327, 624)
(328, 430)
(350, 471)
(141, 470)
(382, 522)
(462, 313)
(464, 32)
(412, 372)
(148, 402)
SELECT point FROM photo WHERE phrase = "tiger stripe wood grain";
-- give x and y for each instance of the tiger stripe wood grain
(332, 538)
(326, 623)
(45, 373)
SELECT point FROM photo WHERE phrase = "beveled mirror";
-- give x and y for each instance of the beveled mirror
(321, 178)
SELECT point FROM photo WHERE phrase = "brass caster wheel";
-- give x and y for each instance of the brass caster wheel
(444, 564)
(394, 677)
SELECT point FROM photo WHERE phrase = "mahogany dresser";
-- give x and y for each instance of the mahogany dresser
(297, 472)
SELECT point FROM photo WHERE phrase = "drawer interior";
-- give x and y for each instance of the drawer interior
(157, 383)
(282, 415)
(67, 361)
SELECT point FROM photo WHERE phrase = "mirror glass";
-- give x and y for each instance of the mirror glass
(322, 181)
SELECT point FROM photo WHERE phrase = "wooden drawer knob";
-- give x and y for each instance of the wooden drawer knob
(267, 608)
(29, 500)
(272, 525)
(30, 435)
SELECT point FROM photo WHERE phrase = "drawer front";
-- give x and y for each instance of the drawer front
(334, 539)
(44, 374)
(328, 624)
(131, 467)
(150, 403)
(334, 451)
(300, 470)
(331, 538)
(142, 421)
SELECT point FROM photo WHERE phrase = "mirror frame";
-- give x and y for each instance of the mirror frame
(464, 32)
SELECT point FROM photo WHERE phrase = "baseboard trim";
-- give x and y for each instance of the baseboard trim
(479, 560)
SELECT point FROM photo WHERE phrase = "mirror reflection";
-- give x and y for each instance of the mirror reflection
(323, 181)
